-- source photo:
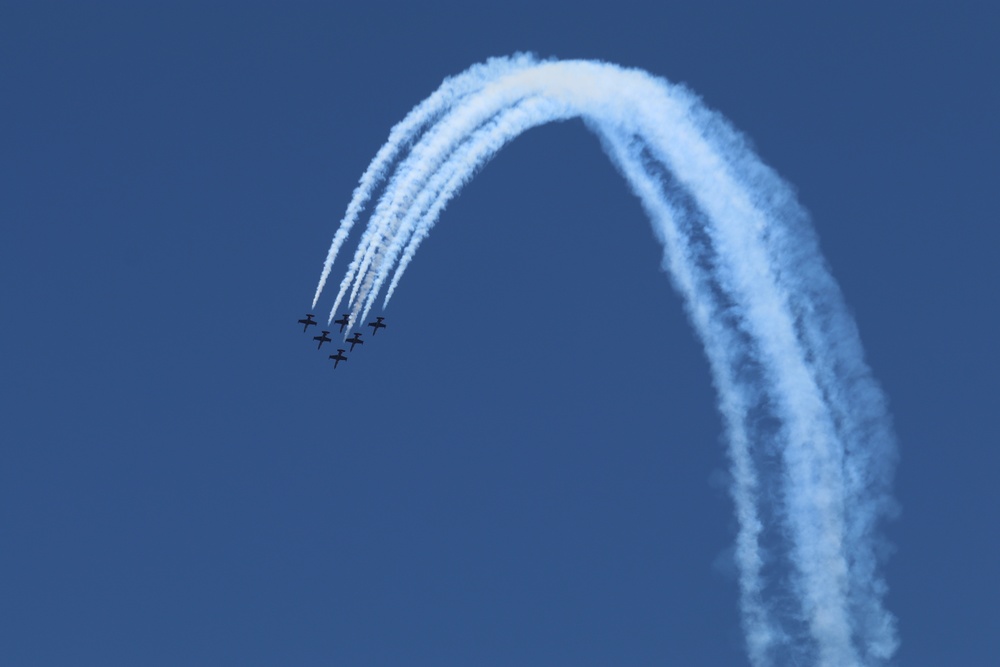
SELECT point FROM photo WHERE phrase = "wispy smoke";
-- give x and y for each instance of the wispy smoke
(810, 446)
(451, 91)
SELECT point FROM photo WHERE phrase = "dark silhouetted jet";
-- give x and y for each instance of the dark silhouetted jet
(309, 320)
(322, 339)
(337, 358)
(377, 324)
(343, 321)
(355, 340)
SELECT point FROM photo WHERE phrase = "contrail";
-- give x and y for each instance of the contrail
(464, 116)
(811, 449)
(452, 89)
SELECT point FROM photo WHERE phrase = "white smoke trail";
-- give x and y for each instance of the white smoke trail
(453, 88)
(723, 352)
(449, 178)
(463, 118)
(810, 446)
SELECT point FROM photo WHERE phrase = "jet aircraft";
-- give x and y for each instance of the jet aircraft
(337, 358)
(355, 340)
(343, 321)
(377, 324)
(309, 320)
(322, 339)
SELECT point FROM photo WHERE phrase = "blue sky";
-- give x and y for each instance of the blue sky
(526, 467)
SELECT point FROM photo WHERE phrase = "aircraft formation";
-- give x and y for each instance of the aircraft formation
(343, 322)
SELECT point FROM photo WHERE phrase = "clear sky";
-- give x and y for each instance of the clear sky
(526, 467)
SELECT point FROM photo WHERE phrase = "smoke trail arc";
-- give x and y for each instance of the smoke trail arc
(809, 442)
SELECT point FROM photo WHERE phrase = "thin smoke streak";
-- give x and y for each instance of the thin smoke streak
(625, 152)
(464, 162)
(453, 89)
(432, 148)
(810, 447)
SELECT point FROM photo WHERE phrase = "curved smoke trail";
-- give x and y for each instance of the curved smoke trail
(452, 90)
(810, 447)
